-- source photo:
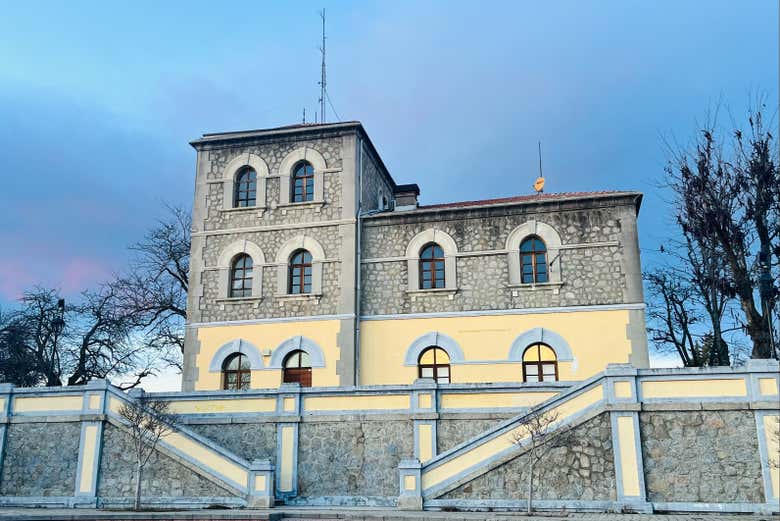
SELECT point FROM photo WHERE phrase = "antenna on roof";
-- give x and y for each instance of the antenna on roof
(539, 184)
(323, 79)
(304, 116)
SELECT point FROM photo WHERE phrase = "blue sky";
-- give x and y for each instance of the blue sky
(98, 101)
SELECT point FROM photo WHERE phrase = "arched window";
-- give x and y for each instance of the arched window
(533, 260)
(432, 266)
(540, 364)
(241, 276)
(245, 193)
(300, 273)
(434, 362)
(297, 368)
(303, 182)
(236, 372)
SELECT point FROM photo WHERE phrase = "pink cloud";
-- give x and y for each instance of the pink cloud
(71, 275)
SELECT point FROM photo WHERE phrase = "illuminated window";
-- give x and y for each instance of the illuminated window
(432, 267)
(434, 362)
(236, 372)
(533, 260)
(540, 364)
(303, 182)
(297, 368)
(245, 188)
(241, 276)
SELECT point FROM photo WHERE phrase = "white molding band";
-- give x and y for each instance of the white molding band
(313, 157)
(302, 343)
(279, 320)
(229, 178)
(273, 227)
(225, 263)
(499, 312)
(448, 245)
(552, 241)
(236, 346)
(434, 338)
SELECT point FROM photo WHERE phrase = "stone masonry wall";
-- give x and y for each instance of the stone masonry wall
(270, 228)
(701, 456)
(162, 476)
(374, 184)
(273, 153)
(452, 432)
(352, 458)
(40, 459)
(584, 470)
(591, 275)
(247, 440)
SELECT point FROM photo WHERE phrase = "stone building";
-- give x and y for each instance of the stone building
(414, 342)
(310, 264)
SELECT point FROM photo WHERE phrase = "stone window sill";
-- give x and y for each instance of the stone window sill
(449, 292)
(298, 297)
(317, 205)
(518, 288)
(238, 300)
(243, 209)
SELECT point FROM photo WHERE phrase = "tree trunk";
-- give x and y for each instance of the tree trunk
(137, 500)
(531, 486)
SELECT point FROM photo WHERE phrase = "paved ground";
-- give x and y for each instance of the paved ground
(352, 514)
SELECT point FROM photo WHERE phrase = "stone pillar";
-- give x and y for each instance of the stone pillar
(425, 416)
(90, 443)
(261, 484)
(5, 417)
(288, 408)
(410, 497)
(764, 392)
(624, 406)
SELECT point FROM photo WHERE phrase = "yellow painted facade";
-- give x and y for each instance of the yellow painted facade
(771, 428)
(267, 337)
(485, 400)
(48, 403)
(704, 388)
(223, 406)
(596, 338)
(628, 460)
(88, 458)
(768, 386)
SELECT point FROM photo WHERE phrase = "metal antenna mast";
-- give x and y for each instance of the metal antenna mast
(323, 80)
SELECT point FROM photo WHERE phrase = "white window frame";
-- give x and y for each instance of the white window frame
(229, 174)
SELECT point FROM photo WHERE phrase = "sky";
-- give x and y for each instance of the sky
(98, 101)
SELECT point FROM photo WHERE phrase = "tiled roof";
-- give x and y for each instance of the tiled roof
(525, 199)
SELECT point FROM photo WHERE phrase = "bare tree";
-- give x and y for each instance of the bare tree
(74, 343)
(154, 290)
(728, 201)
(149, 420)
(18, 364)
(537, 433)
(103, 343)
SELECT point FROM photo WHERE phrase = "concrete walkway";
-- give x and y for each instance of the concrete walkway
(351, 514)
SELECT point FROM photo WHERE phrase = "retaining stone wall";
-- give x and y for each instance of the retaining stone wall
(701, 456)
(247, 440)
(162, 476)
(352, 458)
(585, 470)
(451, 433)
(40, 459)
